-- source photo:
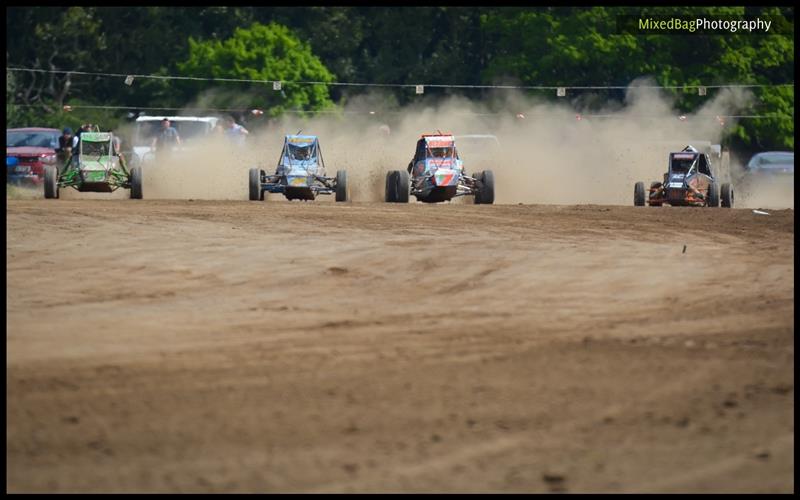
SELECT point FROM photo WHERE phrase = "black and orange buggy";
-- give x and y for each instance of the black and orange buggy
(688, 182)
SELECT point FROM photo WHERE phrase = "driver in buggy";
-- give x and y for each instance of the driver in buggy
(94, 149)
(100, 149)
(441, 152)
(302, 153)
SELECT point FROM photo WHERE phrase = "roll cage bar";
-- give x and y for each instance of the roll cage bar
(316, 151)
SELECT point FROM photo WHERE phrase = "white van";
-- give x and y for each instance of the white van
(190, 129)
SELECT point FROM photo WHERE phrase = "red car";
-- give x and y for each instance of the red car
(28, 150)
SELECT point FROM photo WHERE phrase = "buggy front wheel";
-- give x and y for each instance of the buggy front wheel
(136, 183)
(726, 195)
(713, 194)
(485, 194)
(342, 191)
(478, 176)
(391, 187)
(638, 194)
(255, 184)
(403, 185)
(50, 182)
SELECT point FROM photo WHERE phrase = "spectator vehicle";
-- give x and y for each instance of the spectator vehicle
(191, 129)
(28, 152)
(772, 164)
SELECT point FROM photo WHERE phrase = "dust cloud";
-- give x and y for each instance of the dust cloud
(544, 152)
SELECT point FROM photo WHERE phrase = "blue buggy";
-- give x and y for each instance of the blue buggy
(300, 174)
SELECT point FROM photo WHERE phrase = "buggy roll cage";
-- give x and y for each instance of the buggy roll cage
(316, 151)
(701, 163)
(429, 153)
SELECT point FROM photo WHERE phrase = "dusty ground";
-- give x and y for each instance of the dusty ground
(240, 346)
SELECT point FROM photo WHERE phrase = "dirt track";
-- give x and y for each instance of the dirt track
(240, 346)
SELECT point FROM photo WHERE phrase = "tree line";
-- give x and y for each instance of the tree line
(553, 46)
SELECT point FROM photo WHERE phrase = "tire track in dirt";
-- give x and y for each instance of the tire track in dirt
(238, 346)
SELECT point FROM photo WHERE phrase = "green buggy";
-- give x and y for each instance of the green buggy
(96, 167)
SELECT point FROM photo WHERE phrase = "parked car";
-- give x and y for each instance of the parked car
(771, 163)
(28, 151)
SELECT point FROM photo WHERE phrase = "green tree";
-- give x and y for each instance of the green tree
(261, 52)
(578, 46)
(400, 45)
(52, 39)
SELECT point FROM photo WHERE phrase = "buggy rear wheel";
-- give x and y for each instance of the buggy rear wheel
(136, 183)
(50, 182)
(342, 191)
(402, 186)
(638, 194)
(726, 193)
(255, 185)
(713, 194)
(486, 191)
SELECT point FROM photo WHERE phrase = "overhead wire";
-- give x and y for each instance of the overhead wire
(396, 85)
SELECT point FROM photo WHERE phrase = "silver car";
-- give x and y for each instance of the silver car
(772, 163)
